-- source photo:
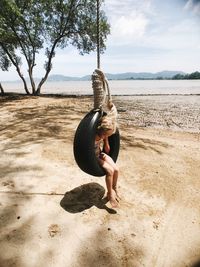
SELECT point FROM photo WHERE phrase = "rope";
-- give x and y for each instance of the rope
(101, 92)
(98, 34)
(100, 83)
(100, 89)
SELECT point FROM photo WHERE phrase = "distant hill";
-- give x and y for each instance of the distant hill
(59, 77)
(143, 75)
(120, 76)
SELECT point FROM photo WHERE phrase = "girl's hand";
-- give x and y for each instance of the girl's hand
(110, 104)
(107, 148)
(106, 145)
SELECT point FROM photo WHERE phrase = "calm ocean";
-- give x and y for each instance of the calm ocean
(125, 87)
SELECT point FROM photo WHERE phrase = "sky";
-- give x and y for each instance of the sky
(146, 36)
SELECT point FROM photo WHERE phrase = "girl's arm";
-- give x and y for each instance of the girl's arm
(106, 145)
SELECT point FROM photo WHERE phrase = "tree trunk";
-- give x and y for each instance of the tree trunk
(25, 84)
(38, 91)
(32, 81)
(48, 67)
(1, 88)
(17, 68)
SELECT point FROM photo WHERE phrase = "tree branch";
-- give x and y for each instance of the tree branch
(62, 35)
(16, 66)
(1, 88)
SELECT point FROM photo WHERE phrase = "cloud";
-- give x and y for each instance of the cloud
(193, 5)
(116, 7)
(128, 28)
(128, 21)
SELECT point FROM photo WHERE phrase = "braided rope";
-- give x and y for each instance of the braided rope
(101, 92)
(98, 34)
(100, 89)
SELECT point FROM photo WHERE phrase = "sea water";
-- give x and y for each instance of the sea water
(117, 87)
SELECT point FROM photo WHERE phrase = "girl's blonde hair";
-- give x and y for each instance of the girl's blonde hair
(105, 124)
(109, 121)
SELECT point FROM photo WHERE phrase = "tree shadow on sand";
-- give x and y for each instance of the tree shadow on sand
(84, 197)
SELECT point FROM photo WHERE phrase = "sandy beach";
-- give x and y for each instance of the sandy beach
(53, 214)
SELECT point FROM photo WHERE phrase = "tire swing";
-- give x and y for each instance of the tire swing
(84, 139)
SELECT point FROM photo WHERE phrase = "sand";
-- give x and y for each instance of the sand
(53, 214)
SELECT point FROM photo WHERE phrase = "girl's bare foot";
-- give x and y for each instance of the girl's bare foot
(113, 199)
(117, 195)
(113, 202)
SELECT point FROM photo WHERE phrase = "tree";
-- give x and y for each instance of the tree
(178, 77)
(194, 75)
(4, 65)
(27, 26)
(1, 89)
(191, 76)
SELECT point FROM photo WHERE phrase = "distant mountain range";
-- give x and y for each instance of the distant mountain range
(120, 76)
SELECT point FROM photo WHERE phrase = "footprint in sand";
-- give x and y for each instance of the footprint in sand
(53, 230)
(9, 184)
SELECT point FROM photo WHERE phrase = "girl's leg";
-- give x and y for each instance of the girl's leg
(115, 178)
(109, 182)
(110, 161)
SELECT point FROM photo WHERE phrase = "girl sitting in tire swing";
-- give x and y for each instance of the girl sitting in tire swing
(107, 127)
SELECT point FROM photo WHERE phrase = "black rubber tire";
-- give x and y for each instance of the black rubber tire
(84, 140)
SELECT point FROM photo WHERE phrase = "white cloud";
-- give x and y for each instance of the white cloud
(128, 20)
(193, 5)
(128, 28)
(182, 35)
(117, 7)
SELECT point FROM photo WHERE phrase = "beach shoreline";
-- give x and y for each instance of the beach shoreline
(175, 112)
(117, 87)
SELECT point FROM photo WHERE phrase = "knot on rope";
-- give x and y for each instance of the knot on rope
(99, 88)
(101, 93)
(109, 121)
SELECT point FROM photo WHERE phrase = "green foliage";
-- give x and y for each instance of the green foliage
(27, 26)
(5, 63)
(178, 77)
(192, 76)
